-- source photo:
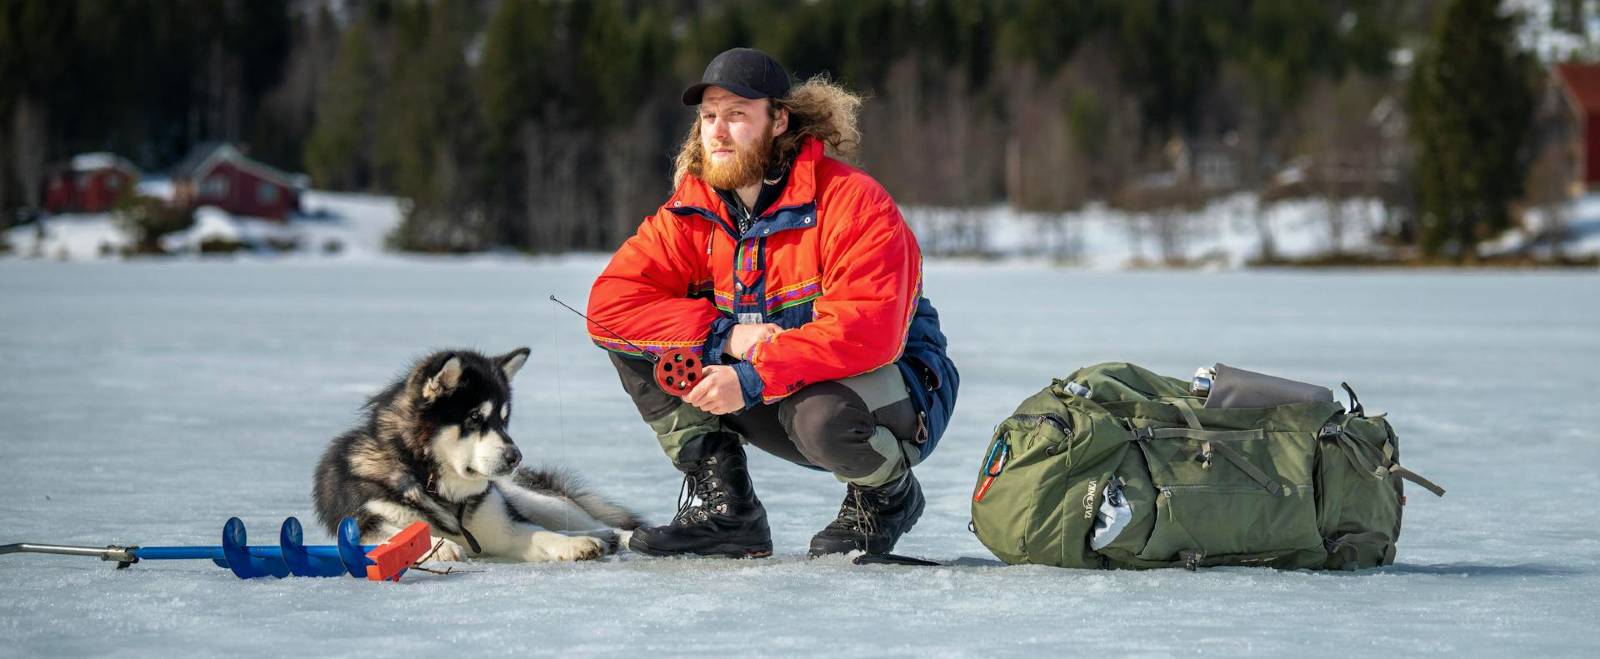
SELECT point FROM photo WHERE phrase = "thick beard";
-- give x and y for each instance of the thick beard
(746, 168)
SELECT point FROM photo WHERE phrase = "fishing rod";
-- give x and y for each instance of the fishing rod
(676, 370)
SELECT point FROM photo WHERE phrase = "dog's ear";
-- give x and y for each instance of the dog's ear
(446, 379)
(512, 362)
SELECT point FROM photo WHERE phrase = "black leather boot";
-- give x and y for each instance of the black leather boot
(872, 519)
(718, 512)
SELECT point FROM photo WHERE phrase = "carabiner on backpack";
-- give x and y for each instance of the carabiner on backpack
(993, 465)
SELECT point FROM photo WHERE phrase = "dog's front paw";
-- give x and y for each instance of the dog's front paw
(445, 550)
(612, 539)
(578, 548)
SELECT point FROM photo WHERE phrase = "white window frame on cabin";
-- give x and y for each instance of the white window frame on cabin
(214, 186)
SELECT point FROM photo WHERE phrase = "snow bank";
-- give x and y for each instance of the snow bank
(1225, 233)
(1537, 31)
(360, 222)
(157, 187)
(331, 224)
(215, 226)
(70, 237)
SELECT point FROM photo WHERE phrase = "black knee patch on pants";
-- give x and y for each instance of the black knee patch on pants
(830, 425)
(639, 380)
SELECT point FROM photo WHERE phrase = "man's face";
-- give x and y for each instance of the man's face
(736, 136)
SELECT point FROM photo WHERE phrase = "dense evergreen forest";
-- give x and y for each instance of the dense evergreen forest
(549, 125)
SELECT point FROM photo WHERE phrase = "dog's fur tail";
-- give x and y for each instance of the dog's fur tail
(560, 483)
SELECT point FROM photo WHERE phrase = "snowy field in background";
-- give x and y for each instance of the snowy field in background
(147, 402)
(1224, 234)
(343, 225)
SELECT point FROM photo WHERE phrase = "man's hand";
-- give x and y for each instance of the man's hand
(718, 392)
(742, 337)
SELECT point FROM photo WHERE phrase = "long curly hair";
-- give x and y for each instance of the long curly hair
(817, 108)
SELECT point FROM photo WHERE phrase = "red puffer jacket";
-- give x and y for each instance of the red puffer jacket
(832, 261)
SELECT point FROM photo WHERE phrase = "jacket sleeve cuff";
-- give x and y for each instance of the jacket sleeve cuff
(716, 339)
(749, 383)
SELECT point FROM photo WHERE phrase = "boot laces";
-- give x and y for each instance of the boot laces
(699, 485)
(859, 511)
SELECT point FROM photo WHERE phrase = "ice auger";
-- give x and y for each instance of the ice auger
(385, 562)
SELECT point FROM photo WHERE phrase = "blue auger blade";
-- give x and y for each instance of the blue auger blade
(306, 561)
(351, 552)
(247, 564)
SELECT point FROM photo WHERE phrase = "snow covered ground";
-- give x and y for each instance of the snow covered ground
(69, 237)
(147, 402)
(1225, 234)
(1537, 33)
(344, 225)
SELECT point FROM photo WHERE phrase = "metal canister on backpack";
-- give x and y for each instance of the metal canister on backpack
(1200, 386)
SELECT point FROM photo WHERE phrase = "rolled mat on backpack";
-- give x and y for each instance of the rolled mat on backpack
(1119, 467)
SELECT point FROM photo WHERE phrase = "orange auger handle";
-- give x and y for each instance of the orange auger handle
(391, 559)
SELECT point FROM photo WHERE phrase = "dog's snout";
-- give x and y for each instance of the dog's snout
(512, 455)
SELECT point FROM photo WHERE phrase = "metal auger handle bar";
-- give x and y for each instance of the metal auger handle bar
(124, 556)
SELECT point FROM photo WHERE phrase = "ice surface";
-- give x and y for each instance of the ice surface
(147, 402)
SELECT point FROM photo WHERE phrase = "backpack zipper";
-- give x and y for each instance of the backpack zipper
(1059, 422)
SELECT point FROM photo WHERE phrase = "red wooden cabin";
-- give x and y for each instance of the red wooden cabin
(220, 175)
(89, 183)
(1580, 83)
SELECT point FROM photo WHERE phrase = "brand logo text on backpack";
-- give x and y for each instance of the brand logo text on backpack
(1088, 501)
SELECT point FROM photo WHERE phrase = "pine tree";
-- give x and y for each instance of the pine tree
(1472, 102)
(429, 135)
(337, 153)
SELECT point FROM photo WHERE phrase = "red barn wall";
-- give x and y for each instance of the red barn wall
(1591, 150)
(243, 193)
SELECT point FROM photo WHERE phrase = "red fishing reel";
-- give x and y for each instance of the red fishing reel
(678, 371)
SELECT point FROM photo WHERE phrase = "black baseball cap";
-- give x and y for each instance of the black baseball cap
(744, 71)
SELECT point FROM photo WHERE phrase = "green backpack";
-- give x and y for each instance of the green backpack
(1118, 467)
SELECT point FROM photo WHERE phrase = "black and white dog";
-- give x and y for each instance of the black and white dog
(434, 448)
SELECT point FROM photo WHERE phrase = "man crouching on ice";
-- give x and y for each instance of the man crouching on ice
(800, 283)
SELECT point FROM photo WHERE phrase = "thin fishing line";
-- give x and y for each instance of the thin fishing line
(561, 411)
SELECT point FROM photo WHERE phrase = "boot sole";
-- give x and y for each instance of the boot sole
(638, 545)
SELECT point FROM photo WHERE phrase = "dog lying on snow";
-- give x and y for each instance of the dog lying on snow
(434, 448)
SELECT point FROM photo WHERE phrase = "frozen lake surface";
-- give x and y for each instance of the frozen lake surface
(145, 403)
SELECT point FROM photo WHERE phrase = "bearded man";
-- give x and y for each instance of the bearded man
(799, 283)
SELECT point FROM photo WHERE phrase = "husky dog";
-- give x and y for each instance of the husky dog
(434, 448)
